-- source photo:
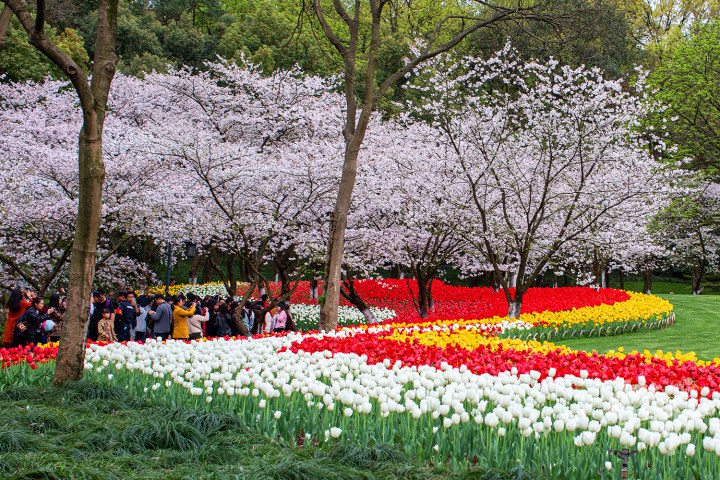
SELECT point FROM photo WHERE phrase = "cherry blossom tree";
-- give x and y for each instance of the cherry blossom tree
(547, 153)
(255, 149)
(354, 31)
(689, 229)
(406, 207)
(41, 122)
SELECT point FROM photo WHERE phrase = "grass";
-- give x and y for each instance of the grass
(695, 329)
(91, 431)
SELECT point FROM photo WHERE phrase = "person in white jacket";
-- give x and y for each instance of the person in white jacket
(270, 319)
(194, 323)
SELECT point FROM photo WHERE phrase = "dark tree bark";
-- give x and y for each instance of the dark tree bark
(231, 285)
(350, 294)
(194, 267)
(648, 278)
(5, 18)
(697, 274)
(93, 96)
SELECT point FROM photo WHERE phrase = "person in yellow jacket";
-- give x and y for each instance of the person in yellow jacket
(180, 316)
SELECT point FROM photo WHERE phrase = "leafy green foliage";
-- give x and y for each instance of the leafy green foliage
(688, 82)
(92, 431)
(21, 61)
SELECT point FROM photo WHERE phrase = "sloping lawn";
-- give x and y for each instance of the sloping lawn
(697, 329)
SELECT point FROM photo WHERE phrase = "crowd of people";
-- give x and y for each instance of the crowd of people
(30, 320)
(127, 317)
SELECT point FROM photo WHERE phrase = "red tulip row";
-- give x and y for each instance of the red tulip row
(31, 354)
(465, 302)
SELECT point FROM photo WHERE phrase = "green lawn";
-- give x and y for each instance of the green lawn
(658, 288)
(696, 329)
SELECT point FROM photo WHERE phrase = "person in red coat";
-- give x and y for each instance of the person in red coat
(17, 304)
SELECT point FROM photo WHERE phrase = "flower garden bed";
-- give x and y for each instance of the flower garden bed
(455, 388)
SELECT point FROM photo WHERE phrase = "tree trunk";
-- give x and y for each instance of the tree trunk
(207, 269)
(394, 271)
(336, 239)
(284, 277)
(351, 295)
(194, 267)
(515, 305)
(93, 96)
(697, 276)
(622, 279)
(232, 278)
(422, 299)
(70, 361)
(647, 285)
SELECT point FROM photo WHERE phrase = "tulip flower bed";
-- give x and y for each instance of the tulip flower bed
(496, 403)
(211, 289)
(463, 389)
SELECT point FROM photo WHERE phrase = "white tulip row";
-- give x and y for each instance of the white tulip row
(310, 314)
(634, 415)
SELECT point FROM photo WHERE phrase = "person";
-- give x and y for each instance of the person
(180, 316)
(289, 324)
(280, 319)
(58, 304)
(106, 330)
(99, 302)
(145, 299)
(195, 324)
(259, 317)
(125, 316)
(140, 331)
(270, 319)
(17, 304)
(211, 328)
(27, 327)
(161, 318)
(223, 321)
(248, 316)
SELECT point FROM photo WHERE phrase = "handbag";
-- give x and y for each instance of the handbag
(21, 326)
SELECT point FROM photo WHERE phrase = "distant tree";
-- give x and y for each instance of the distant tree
(688, 83)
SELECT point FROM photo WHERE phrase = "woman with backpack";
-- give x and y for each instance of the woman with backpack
(223, 321)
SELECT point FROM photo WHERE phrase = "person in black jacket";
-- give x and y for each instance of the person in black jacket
(28, 325)
(125, 316)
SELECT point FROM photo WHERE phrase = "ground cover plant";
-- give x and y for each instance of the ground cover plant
(93, 431)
